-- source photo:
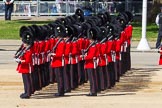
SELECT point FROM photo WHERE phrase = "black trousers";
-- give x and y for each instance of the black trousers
(128, 58)
(47, 73)
(74, 75)
(8, 11)
(36, 79)
(81, 72)
(60, 79)
(101, 78)
(111, 71)
(92, 80)
(27, 84)
(117, 70)
(67, 78)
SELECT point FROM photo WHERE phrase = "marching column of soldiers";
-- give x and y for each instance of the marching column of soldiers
(74, 50)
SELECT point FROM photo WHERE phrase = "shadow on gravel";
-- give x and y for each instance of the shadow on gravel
(2, 50)
(132, 81)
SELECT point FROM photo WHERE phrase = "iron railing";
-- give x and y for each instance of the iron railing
(48, 8)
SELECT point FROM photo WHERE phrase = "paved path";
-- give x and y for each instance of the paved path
(138, 88)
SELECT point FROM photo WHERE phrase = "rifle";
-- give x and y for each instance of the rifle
(69, 39)
(22, 52)
(19, 50)
(91, 44)
(106, 38)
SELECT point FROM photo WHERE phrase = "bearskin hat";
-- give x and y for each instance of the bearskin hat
(52, 28)
(22, 29)
(60, 30)
(103, 32)
(110, 28)
(79, 12)
(91, 22)
(77, 30)
(80, 18)
(96, 20)
(85, 27)
(93, 33)
(108, 17)
(130, 16)
(63, 21)
(72, 18)
(38, 32)
(69, 30)
(27, 37)
(103, 17)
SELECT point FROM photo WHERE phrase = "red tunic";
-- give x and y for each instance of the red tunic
(89, 58)
(41, 51)
(128, 31)
(160, 59)
(52, 42)
(74, 52)
(122, 41)
(123, 37)
(109, 49)
(87, 42)
(46, 50)
(58, 60)
(25, 67)
(98, 46)
(35, 55)
(68, 49)
(102, 58)
(117, 48)
(81, 45)
(98, 52)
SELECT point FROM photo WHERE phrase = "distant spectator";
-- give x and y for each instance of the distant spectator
(8, 8)
(58, 5)
(158, 22)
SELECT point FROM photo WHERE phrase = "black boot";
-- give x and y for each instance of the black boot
(92, 94)
(24, 96)
(58, 94)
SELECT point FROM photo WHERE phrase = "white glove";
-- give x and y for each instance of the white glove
(17, 60)
(51, 54)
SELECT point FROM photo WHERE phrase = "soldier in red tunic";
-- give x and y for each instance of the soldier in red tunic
(68, 48)
(57, 62)
(74, 64)
(110, 53)
(103, 62)
(117, 45)
(85, 27)
(90, 64)
(24, 60)
(129, 30)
